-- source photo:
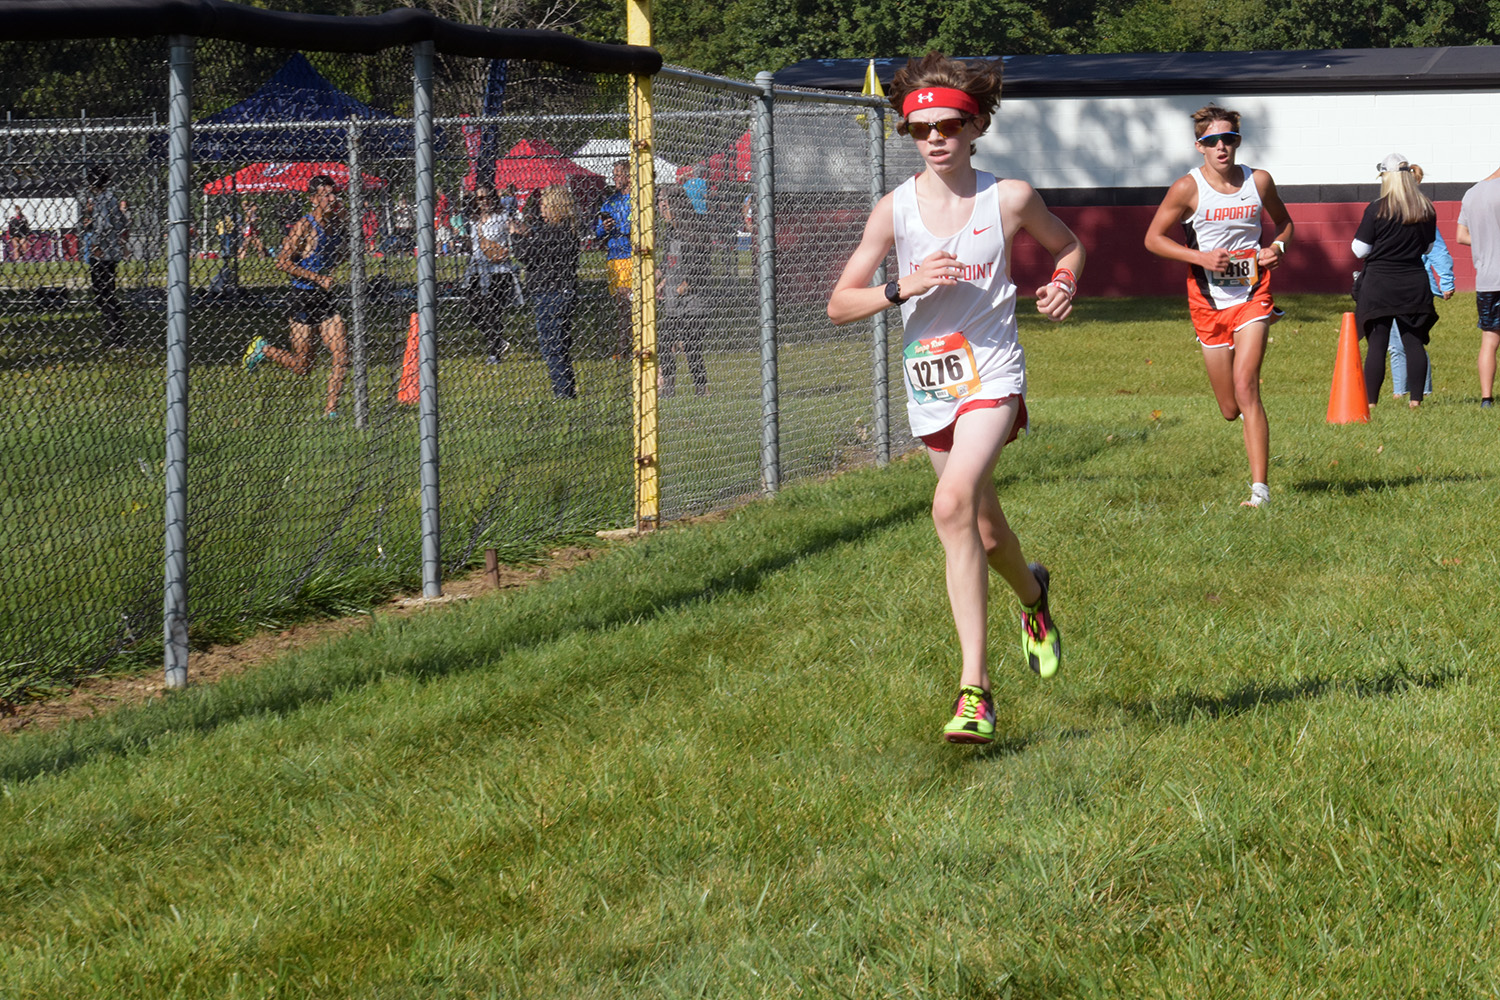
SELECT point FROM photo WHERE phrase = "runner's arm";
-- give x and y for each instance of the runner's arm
(289, 259)
(1053, 300)
(1179, 203)
(854, 298)
(1270, 255)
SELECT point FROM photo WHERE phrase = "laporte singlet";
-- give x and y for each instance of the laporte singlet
(960, 340)
(1231, 221)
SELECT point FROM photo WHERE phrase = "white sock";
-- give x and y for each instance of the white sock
(1259, 494)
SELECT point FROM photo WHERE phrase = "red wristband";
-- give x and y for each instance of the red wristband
(1066, 280)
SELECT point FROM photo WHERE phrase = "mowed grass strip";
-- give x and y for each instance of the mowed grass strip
(708, 764)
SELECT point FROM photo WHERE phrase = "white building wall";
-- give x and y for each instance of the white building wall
(41, 213)
(1300, 138)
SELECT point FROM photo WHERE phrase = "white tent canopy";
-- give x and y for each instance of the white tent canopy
(599, 155)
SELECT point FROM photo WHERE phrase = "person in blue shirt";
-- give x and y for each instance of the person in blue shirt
(696, 188)
(1439, 264)
(307, 257)
(612, 225)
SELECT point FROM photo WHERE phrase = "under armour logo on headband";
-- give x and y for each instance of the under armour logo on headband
(940, 97)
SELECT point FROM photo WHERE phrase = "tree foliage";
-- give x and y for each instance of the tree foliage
(1201, 25)
(745, 36)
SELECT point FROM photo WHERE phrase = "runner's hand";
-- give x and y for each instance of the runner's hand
(1213, 260)
(939, 269)
(1269, 256)
(1053, 303)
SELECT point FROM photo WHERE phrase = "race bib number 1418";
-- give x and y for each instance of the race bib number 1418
(1239, 272)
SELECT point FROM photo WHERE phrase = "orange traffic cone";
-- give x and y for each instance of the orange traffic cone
(1347, 403)
(410, 389)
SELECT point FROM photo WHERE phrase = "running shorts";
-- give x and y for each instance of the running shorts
(943, 440)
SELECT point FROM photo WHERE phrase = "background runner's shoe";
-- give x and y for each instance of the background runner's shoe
(254, 353)
(973, 717)
(1039, 637)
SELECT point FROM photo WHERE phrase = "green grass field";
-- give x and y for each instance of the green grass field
(708, 764)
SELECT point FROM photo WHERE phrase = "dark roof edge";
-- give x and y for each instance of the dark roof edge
(1242, 85)
(52, 20)
(1322, 71)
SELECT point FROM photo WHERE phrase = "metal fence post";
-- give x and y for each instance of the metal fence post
(432, 552)
(764, 166)
(359, 357)
(179, 217)
(881, 335)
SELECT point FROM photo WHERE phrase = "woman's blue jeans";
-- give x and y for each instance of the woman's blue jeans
(554, 332)
(1398, 365)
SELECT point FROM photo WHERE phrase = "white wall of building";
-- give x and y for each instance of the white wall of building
(41, 213)
(1300, 138)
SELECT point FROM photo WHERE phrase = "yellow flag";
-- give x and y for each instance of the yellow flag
(872, 87)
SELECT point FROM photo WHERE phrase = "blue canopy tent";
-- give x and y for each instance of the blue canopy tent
(297, 93)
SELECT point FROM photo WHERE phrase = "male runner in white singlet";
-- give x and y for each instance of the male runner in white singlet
(1222, 207)
(965, 372)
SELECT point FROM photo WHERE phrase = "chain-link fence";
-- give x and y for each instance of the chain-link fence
(350, 221)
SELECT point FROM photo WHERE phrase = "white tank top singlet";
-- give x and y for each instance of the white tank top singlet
(1231, 221)
(961, 339)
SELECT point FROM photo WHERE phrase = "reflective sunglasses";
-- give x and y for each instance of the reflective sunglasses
(948, 128)
(1230, 139)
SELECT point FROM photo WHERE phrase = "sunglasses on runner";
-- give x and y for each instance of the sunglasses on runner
(948, 128)
(1230, 139)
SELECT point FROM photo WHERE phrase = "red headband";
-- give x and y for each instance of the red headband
(939, 97)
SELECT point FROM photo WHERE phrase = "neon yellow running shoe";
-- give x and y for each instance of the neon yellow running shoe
(254, 353)
(973, 717)
(1039, 637)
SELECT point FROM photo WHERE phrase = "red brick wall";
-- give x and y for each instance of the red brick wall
(1118, 264)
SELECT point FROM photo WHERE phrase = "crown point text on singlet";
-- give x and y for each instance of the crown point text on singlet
(966, 272)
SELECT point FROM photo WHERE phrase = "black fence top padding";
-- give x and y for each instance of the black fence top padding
(52, 20)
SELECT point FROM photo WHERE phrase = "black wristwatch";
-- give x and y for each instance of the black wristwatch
(893, 292)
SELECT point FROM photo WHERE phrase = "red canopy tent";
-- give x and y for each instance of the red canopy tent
(534, 164)
(260, 178)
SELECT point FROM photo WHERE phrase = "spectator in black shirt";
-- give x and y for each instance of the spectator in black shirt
(1397, 229)
(548, 247)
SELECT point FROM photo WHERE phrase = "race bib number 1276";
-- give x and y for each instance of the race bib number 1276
(941, 368)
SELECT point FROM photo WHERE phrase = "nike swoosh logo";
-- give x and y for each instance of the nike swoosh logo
(986, 228)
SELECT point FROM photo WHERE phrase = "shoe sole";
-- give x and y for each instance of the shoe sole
(1036, 666)
(967, 738)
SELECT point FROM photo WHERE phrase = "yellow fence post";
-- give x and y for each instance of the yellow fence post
(643, 278)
